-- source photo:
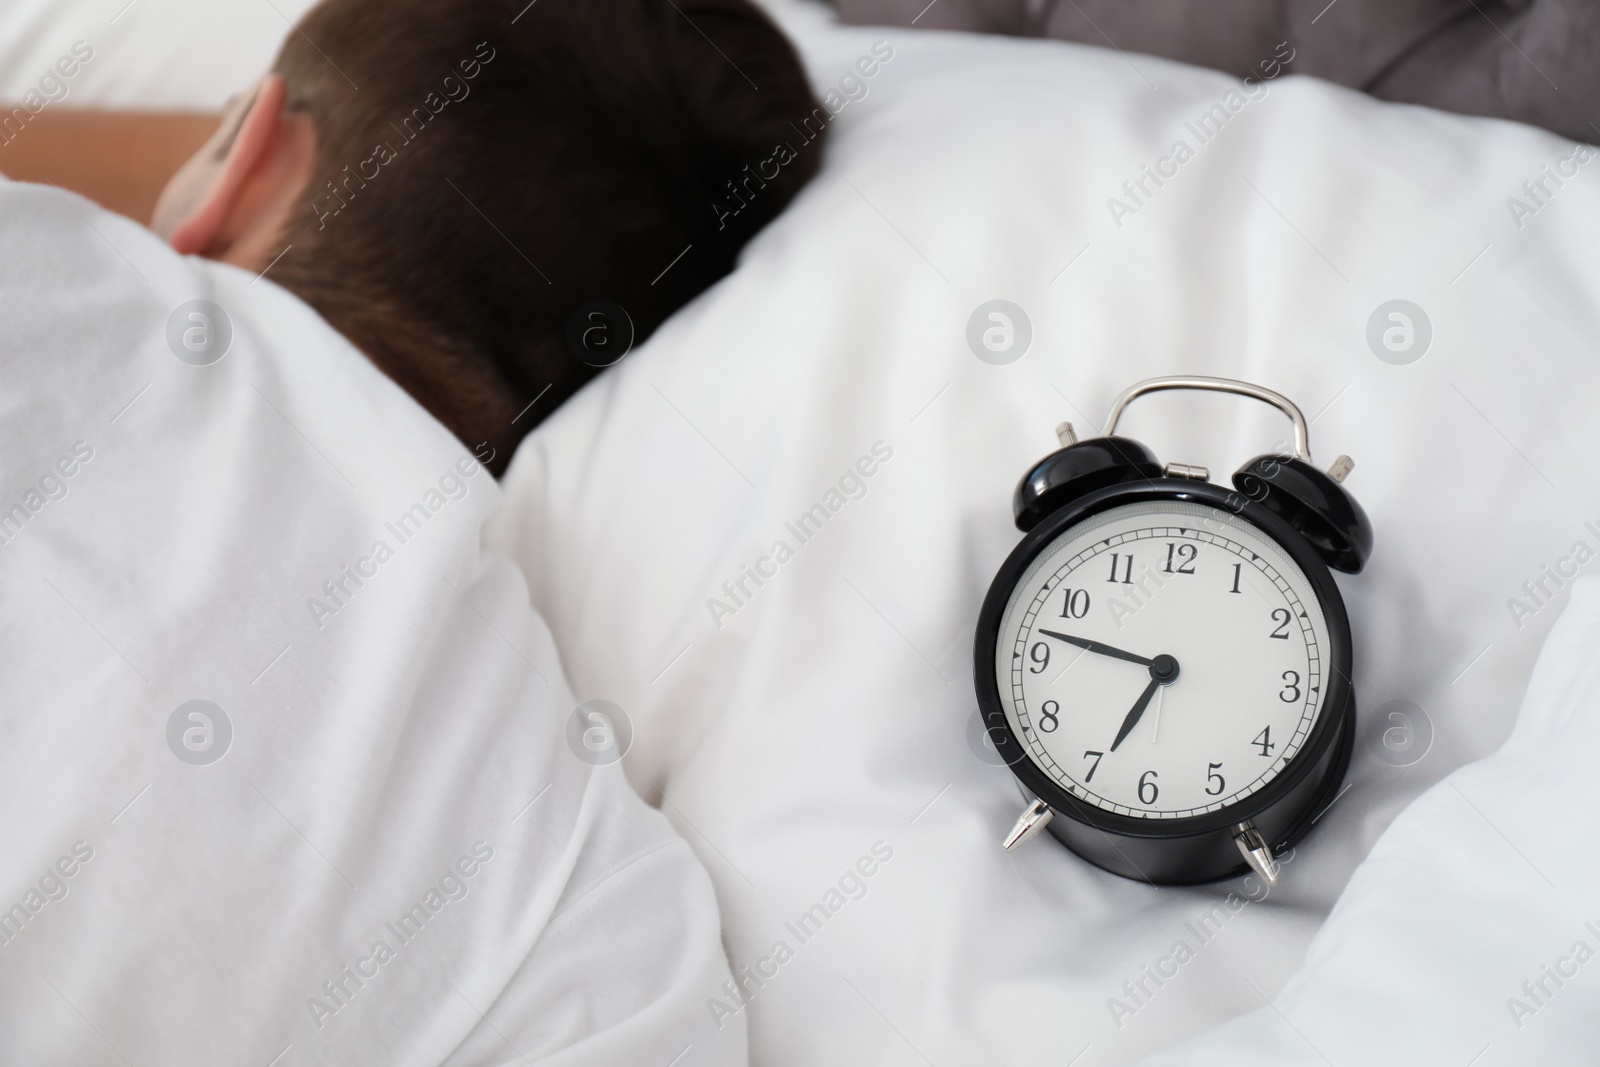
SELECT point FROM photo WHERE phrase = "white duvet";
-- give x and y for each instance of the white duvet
(287, 766)
(1470, 933)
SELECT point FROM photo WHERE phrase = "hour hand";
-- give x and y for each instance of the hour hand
(1097, 647)
(1136, 714)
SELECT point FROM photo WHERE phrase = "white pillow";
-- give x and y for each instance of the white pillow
(373, 838)
(833, 709)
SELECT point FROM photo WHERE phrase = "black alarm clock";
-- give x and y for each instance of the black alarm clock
(1165, 663)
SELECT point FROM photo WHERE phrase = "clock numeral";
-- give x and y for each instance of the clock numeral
(1282, 617)
(1097, 757)
(1236, 568)
(1127, 569)
(1147, 781)
(1291, 687)
(1040, 662)
(1185, 554)
(1264, 741)
(1212, 775)
(1075, 605)
(1049, 720)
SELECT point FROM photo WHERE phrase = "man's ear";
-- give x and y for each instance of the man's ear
(249, 152)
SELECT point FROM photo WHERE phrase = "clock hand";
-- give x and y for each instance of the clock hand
(1163, 671)
(1096, 646)
(1138, 711)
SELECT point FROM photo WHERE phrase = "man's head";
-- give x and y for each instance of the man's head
(453, 179)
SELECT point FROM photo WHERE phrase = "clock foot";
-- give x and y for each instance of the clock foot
(1255, 850)
(1035, 817)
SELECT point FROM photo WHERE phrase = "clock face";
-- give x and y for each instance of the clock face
(1162, 660)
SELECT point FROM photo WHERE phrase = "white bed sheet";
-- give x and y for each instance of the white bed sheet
(834, 709)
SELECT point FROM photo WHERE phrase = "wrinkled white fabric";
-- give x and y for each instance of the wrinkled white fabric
(1472, 931)
(286, 535)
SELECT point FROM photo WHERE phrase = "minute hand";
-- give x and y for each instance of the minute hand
(1096, 646)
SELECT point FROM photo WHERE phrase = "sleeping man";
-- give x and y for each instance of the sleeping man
(392, 834)
(449, 183)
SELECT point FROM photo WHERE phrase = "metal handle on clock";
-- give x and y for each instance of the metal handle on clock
(1302, 433)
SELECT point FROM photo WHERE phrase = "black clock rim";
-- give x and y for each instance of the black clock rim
(1338, 690)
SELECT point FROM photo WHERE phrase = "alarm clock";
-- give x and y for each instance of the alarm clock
(1163, 662)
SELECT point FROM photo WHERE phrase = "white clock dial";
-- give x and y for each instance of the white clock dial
(1162, 660)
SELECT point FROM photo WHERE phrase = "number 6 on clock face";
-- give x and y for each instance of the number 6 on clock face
(1162, 660)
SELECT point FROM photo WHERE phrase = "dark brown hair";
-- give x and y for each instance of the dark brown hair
(485, 168)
